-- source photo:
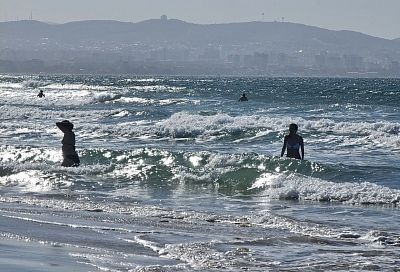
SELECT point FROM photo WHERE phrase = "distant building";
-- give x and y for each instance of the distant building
(328, 61)
(164, 18)
(234, 59)
(395, 66)
(372, 66)
(334, 62)
(321, 59)
(353, 62)
(248, 60)
(211, 53)
(282, 59)
(260, 60)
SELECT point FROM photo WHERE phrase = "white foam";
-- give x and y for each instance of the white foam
(57, 94)
(185, 125)
(75, 87)
(33, 83)
(294, 186)
(10, 154)
(159, 88)
(266, 179)
(34, 181)
(122, 113)
(149, 101)
(195, 160)
(9, 85)
(149, 244)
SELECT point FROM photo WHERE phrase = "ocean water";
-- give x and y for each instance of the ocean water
(177, 175)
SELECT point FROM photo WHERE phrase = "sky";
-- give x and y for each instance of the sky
(380, 18)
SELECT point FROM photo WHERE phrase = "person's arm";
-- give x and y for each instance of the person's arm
(302, 148)
(284, 146)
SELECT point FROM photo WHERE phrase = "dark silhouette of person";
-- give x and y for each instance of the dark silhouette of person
(41, 94)
(70, 157)
(243, 98)
(292, 143)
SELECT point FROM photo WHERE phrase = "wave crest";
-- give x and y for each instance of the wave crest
(298, 187)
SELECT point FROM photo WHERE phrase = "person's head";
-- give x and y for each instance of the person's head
(243, 94)
(65, 125)
(293, 128)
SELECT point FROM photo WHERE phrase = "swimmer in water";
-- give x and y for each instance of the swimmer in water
(292, 143)
(243, 98)
(41, 94)
(70, 157)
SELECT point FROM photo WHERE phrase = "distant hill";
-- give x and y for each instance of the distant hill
(175, 47)
(272, 35)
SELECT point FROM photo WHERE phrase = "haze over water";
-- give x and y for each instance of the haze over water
(177, 175)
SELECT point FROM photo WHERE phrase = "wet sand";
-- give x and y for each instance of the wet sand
(24, 256)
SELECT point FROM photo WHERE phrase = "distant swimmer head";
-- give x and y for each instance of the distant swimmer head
(243, 97)
(65, 125)
(293, 128)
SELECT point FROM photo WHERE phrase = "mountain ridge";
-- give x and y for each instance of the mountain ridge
(173, 30)
(168, 47)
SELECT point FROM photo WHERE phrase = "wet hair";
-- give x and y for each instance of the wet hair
(293, 127)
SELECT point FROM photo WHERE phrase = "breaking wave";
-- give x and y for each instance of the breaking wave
(273, 177)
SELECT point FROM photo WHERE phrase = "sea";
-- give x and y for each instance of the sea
(177, 175)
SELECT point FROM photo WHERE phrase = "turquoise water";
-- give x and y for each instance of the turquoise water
(177, 175)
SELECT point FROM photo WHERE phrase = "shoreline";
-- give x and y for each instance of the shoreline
(27, 256)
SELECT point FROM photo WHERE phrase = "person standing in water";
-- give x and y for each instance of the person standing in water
(292, 143)
(70, 157)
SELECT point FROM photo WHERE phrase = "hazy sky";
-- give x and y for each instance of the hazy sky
(375, 17)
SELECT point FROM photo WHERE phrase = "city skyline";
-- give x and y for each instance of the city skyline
(172, 47)
(371, 17)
